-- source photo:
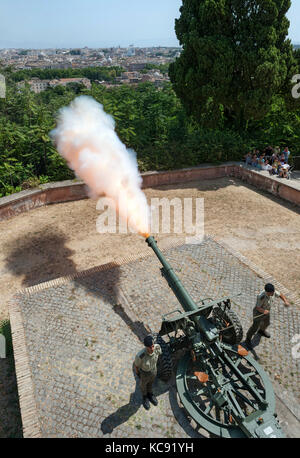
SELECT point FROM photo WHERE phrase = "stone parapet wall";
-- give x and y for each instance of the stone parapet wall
(50, 193)
(153, 179)
(276, 186)
(65, 191)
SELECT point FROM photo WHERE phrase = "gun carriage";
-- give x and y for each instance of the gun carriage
(219, 384)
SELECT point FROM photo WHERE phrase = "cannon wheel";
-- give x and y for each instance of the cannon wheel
(197, 399)
(228, 318)
(165, 362)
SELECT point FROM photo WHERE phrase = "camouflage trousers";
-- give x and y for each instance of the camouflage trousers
(146, 381)
(259, 323)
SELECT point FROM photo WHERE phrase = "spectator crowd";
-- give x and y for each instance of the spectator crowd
(273, 160)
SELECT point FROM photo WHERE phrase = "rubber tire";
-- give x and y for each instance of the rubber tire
(236, 334)
(165, 362)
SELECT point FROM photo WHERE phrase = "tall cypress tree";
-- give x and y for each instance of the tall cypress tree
(235, 58)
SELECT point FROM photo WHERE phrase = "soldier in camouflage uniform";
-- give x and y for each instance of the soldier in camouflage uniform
(146, 368)
(261, 312)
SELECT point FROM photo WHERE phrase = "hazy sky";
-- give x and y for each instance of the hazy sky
(97, 23)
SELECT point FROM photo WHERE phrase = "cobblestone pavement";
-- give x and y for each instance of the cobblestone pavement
(82, 335)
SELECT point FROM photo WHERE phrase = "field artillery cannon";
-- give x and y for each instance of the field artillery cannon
(219, 384)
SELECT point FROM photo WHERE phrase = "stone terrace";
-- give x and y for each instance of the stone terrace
(75, 339)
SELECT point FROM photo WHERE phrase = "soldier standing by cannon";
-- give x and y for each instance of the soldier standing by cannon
(146, 368)
(261, 312)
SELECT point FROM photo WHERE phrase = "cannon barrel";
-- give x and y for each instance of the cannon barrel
(175, 284)
(191, 309)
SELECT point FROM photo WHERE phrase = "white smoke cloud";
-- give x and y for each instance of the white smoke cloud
(85, 136)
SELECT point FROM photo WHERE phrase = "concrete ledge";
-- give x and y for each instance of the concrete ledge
(207, 172)
(50, 193)
(267, 183)
(65, 191)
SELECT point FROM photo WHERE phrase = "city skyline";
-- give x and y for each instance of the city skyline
(98, 24)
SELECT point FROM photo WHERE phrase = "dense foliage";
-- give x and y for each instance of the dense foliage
(235, 58)
(93, 73)
(151, 121)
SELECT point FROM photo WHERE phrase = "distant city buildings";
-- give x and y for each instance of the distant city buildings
(130, 51)
(129, 58)
(38, 85)
(133, 60)
(135, 77)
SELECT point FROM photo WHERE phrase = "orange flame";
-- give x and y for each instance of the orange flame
(146, 235)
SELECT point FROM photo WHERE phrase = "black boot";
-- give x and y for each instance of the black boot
(146, 403)
(152, 399)
(248, 343)
(264, 333)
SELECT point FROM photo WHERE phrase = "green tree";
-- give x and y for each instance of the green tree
(297, 56)
(235, 58)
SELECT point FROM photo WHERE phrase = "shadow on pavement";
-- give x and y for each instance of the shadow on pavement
(40, 257)
(137, 327)
(45, 256)
(255, 342)
(36, 258)
(10, 416)
(123, 413)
